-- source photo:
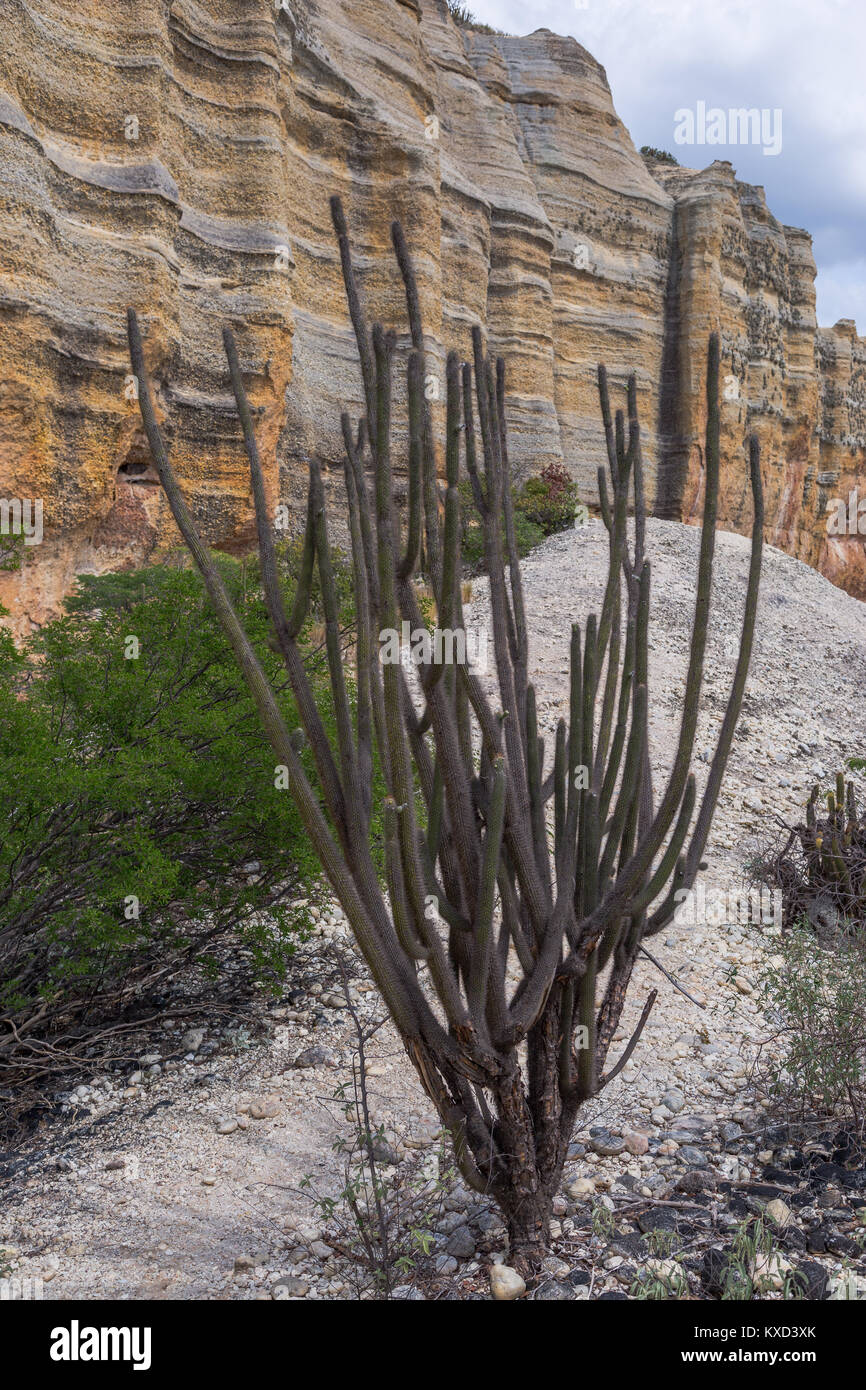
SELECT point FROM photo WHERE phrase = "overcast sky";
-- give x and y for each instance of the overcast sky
(803, 57)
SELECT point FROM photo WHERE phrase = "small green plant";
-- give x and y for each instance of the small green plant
(661, 1242)
(527, 535)
(603, 1221)
(660, 1279)
(754, 1266)
(381, 1218)
(816, 1058)
(549, 501)
(465, 19)
(663, 156)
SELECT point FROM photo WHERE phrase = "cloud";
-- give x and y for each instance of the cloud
(800, 56)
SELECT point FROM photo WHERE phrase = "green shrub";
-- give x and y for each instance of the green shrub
(465, 19)
(816, 997)
(549, 501)
(141, 830)
(663, 156)
(527, 534)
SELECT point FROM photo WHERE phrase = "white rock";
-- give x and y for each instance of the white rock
(505, 1283)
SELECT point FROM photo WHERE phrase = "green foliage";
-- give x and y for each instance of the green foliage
(465, 19)
(663, 156)
(817, 997)
(548, 501)
(133, 791)
(526, 533)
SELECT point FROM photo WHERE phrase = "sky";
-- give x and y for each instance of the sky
(803, 58)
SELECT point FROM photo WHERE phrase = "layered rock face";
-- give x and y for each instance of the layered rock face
(179, 157)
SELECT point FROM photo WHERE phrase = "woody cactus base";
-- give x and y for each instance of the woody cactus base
(521, 880)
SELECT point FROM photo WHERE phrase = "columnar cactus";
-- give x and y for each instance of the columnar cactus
(521, 881)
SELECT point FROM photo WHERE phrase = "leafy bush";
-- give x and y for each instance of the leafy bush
(527, 534)
(663, 156)
(550, 500)
(816, 1060)
(140, 823)
(465, 19)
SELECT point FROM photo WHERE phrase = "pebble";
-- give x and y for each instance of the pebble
(780, 1213)
(695, 1158)
(505, 1283)
(461, 1243)
(288, 1286)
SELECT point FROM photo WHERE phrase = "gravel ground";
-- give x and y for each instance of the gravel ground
(182, 1179)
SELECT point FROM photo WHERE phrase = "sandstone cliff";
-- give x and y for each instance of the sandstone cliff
(179, 156)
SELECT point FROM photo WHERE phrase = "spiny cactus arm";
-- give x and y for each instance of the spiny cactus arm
(735, 700)
(518, 841)
(396, 887)
(416, 445)
(340, 695)
(536, 803)
(448, 597)
(450, 606)
(494, 472)
(609, 698)
(366, 654)
(441, 710)
(647, 805)
(567, 862)
(511, 915)
(632, 1043)
(287, 629)
(356, 314)
(355, 454)
(483, 935)
(436, 844)
(515, 578)
(502, 619)
(618, 555)
(560, 792)
(376, 938)
(617, 746)
(604, 399)
(629, 786)
(585, 869)
(637, 468)
(588, 895)
(431, 508)
(669, 859)
(471, 452)
(604, 500)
